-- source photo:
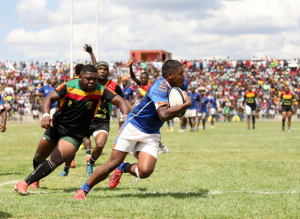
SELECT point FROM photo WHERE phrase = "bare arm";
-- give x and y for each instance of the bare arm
(3, 116)
(40, 94)
(89, 50)
(46, 106)
(132, 75)
(129, 104)
(166, 113)
(120, 102)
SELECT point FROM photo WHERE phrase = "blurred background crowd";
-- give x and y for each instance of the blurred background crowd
(224, 79)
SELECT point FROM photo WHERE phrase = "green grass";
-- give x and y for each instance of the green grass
(225, 172)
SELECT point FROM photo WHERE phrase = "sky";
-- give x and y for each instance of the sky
(189, 29)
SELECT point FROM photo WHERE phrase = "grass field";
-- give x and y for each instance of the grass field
(225, 172)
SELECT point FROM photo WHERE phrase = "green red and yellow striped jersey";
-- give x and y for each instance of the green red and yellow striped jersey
(78, 107)
(286, 98)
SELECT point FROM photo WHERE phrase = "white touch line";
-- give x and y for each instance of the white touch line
(7, 183)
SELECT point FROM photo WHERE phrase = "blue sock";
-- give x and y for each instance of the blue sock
(122, 167)
(172, 124)
(86, 188)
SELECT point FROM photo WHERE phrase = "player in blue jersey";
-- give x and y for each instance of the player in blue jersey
(45, 90)
(3, 115)
(140, 132)
(203, 109)
(191, 113)
(213, 109)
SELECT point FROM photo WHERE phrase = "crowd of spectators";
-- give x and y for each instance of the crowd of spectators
(225, 79)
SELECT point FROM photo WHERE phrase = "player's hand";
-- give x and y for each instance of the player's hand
(88, 48)
(2, 127)
(123, 119)
(46, 122)
(130, 61)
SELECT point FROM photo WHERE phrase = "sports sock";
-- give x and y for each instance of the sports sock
(88, 151)
(162, 146)
(36, 163)
(172, 124)
(67, 168)
(168, 122)
(92, 161)
(86, 188)
(289, 127)
(122, 167)
(253, 121)
(40, 172)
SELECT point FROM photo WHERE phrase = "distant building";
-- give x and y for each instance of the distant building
(151, 55)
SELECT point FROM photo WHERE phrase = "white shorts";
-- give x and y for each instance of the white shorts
(119, 114)
(203, 115)
(212, 111)
(190, 113)
(52, 111)
(249, 111)
(133, 140)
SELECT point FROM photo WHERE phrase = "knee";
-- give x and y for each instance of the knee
(39, 157)
(100, 144)
(145, 172)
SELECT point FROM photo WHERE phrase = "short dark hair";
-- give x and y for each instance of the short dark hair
(78, 69)
(89, 68)
(170, 66)
(145, 73)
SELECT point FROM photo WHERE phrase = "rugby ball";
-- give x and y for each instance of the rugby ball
(176, 98)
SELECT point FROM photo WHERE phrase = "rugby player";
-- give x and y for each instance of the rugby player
(45, 90)
(80, 100)
(202, 109)
(100, 125)
(140, 132)
(145, 85)
(251, 102)
(191, 113)
(71, 163)
(213, 109)
(3, 115)
(285, 105)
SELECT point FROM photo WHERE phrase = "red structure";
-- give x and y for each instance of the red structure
(150, 55)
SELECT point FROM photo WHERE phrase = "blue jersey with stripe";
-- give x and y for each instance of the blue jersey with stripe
(213, 103)
(2, 105)
(144, 116)
(204, 101)
(195, 100)
(46, 90)
(185, 82)
(128, 92)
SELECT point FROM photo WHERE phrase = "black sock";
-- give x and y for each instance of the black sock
(92, 161)
(67, 168)
(88, 151)
(36, 163)
(253, 120)
(40, 172)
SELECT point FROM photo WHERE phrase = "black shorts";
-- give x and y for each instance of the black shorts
(102, 126)
(57, 132)
(287, 109)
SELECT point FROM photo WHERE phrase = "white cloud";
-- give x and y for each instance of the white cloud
(240, 29)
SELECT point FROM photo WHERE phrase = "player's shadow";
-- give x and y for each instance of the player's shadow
(7, 174)
(5, 215)
(99, 189)
(202, 193)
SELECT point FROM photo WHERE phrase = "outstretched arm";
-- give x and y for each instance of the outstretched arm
(88, 49)
(132, 75)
